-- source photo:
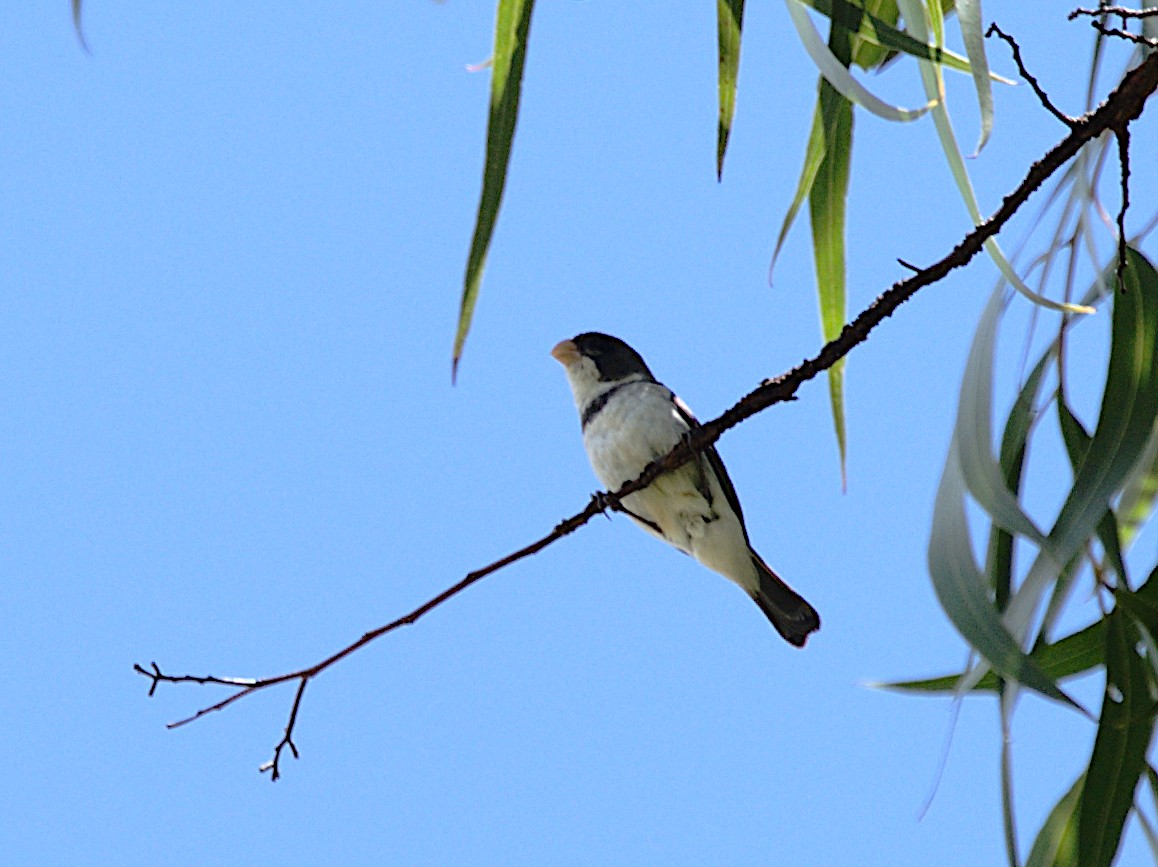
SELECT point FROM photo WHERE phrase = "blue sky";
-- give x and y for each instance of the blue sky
(231, 245)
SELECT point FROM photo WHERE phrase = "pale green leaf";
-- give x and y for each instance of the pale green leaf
(980, 469)
(969, 18)
(1057, 841)
(964, 593)
(838, 75)
(916, 21)
(1140, 491)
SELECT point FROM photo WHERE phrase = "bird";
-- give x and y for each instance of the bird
(629, 419)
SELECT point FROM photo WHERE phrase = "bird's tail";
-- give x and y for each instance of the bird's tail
(789, 612)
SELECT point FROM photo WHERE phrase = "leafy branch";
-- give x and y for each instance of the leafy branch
(1121, 107)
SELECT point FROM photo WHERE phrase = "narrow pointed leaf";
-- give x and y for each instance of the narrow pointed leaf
(1057, 841)
(1140, 492)
(964, 593)
(1068, 657)
(1077, 442)
(1127, 416)
(837, 74)
(1119, 757)
(729, 25)
(969, 17)
(917, 23)
(1014, 446)
(512, 30)
(813, 157)
(1008, 819)
(974, 431)
(826, 203)
(874, 30)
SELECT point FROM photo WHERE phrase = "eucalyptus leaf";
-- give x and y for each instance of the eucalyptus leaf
(1067, 657)
(1057, 841)
(729, 25)
(1128, 412)
(964, 593)
(512, 30)
(969, 18)
(837, 74)
(1077, 443)
(980, 469)
(826, 202)
(1119, 757)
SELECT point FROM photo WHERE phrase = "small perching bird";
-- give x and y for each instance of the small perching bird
(629, 420)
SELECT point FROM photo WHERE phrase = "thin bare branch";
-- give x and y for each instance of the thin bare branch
(1123, 136)
(1124, 34)
(1041, 95)
(1121, 107)
(1122, 12)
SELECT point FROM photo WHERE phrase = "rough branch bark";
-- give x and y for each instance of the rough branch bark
(1123, 105)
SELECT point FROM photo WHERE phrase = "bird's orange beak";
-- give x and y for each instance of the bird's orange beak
(566, 352)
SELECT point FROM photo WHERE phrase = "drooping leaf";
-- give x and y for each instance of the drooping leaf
(964, 593)
(980, 469)
(1128, 412)
(729, 25)
(512, 30)
(826, 203)
(813, 156)
(834, 69)
(1140, 491)
(969, 17)
(1119, 757)
(918, 24)
(1077, 442)
(1011, 458)
(1057, 841)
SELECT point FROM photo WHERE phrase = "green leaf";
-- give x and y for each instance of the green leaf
(983, 474)
(833, 66)
(1067, 657)
(1119, 757)
(1128, 413)
(1077, 443)
(877, 25)
(969, 18)
(1140, 492)
(813, 157)
(877, 35)
(917, 22)
(1057, 841)
(729, 23)
(1144, 610)
(999, 556)
(826, 202)
(964, 593)
(512, 31)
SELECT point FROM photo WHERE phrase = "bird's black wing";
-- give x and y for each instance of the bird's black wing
(715, 464)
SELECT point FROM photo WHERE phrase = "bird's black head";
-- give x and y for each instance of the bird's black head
(614, 358)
